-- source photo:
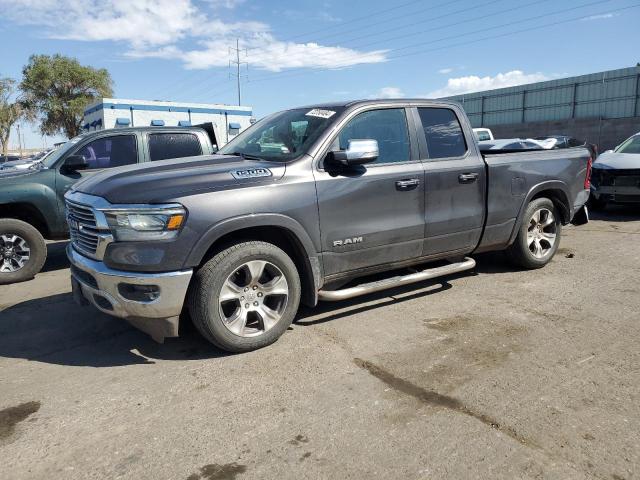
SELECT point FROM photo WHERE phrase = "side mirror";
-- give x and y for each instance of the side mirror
(358, 152)
(73, 163)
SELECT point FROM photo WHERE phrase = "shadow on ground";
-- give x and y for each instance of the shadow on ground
(55, 330)
(56, 257)
(617, 213)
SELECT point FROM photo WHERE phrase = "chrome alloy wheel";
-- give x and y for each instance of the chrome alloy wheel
(14, 253)
(253, 298)
(541, 233)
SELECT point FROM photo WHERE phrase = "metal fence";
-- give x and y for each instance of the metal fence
(605, 95)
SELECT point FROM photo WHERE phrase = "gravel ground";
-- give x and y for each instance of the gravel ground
(495, 373)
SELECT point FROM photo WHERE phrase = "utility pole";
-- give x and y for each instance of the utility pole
(19, 139)
(237, 63)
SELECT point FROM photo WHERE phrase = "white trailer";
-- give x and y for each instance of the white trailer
(227, 120)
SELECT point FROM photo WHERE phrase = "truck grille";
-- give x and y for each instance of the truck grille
(83, 229)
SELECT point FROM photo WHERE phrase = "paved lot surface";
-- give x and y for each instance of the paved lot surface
(497, 374)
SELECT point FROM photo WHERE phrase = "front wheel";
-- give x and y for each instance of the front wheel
(539, 235)
(245, 297)
(22, 251)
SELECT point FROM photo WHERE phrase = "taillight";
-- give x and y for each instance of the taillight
(587, 179)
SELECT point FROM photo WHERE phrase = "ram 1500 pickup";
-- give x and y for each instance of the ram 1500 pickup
(32, 199)
(306, 205)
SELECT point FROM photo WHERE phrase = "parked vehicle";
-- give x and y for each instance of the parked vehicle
(483, 134)
(8, 158)
(616, 175)
(510, 144)
(239, 239)
(32, 195)
(25, 163)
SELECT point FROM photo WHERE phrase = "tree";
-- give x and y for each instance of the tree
(10, 111)
(56, 89)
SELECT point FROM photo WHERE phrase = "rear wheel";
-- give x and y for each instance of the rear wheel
(539, 235)
(245, 297)
(22, 251)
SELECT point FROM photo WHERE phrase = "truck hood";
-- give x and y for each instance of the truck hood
(157, 182)
(18, 173)
(617, 161)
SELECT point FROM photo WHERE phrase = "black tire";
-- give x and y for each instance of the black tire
(37, 250)
(519, 253)
(596, 204)
(207, 283)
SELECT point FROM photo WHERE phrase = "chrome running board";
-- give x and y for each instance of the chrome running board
(378, 285)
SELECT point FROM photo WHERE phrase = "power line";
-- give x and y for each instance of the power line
(385, 21)
(188, 77)
(414, 45)
(444, 47)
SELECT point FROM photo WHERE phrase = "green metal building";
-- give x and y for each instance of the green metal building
(602, 108)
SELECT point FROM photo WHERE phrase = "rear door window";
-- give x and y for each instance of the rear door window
(107, 152)
(443, 132)
(173, 145)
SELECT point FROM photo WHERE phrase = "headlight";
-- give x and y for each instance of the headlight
(147, 223)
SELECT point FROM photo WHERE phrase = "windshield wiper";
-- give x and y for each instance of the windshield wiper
(246, 156)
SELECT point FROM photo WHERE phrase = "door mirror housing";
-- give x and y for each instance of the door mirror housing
(358, 152)
(73, 163)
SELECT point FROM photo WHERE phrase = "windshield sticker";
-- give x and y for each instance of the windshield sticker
(317, 112)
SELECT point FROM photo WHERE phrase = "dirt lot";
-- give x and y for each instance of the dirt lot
(492, 374)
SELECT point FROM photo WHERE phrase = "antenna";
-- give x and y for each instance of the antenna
(237, 63)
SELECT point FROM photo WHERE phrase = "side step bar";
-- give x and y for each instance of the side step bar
(365, 288)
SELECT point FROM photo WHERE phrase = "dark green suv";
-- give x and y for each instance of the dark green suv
(32, 199)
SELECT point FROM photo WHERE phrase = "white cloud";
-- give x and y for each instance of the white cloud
(444, 71)
(229, 4)
(602, 16)
(389, 92)
(473, 83)
(178, 30)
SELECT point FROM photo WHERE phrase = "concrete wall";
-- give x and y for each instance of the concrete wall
(606, 134)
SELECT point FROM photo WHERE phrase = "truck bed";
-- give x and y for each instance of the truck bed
(510, 180)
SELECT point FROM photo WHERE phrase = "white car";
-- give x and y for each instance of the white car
(511, 144)
(616, 175)
(24, 163)
(483, 134)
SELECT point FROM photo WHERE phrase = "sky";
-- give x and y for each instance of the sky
(311, 51)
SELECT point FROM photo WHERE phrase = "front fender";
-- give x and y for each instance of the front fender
(235, 224)
(39, 197)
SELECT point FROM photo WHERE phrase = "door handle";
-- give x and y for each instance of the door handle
(409, 184)
(467, 177)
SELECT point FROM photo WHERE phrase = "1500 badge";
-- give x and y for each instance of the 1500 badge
(251, 173)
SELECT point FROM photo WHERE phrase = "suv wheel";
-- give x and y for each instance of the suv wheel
(245, 297)
(22, 251)
(539, 235)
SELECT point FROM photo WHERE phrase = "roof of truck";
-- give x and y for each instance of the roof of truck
(379, 101)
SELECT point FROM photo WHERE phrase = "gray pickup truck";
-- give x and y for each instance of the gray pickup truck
(32, 198)
(307, 205)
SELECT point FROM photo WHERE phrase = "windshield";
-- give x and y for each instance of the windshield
(52, 157)
(631, 145)
(284, 135)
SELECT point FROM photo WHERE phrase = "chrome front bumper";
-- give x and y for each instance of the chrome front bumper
(93, 282)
